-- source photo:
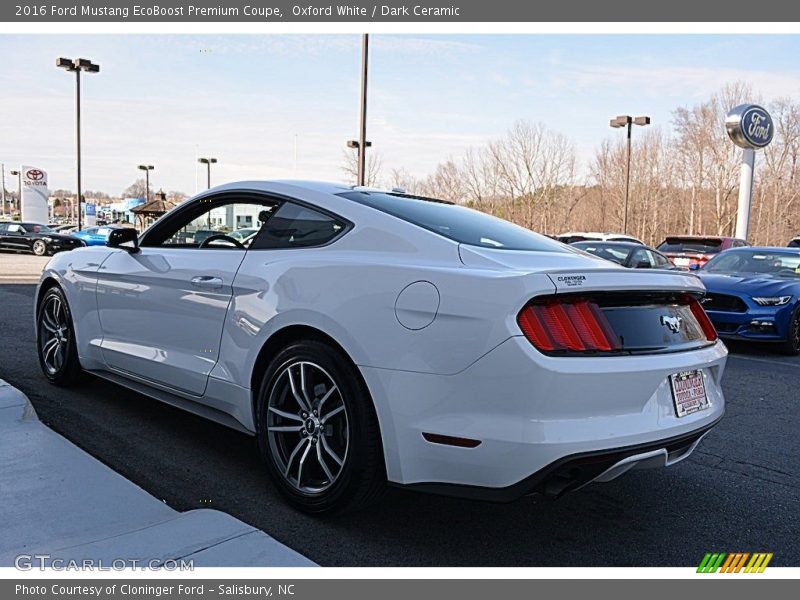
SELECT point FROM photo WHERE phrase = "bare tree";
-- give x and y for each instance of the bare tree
(374, 164)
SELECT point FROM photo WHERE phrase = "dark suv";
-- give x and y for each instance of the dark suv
(693, 251)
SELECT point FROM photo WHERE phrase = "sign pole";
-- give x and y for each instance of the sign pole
(751, 128)
(745, 193)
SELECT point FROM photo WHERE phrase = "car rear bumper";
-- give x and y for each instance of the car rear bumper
(574, 472)
(530, 413)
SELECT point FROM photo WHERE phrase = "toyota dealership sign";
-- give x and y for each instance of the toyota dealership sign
(34, 195)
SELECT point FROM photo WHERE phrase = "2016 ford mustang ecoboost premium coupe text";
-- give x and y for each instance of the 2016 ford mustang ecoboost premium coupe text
(367, 337)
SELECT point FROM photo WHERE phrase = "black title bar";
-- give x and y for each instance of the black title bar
(413, 11)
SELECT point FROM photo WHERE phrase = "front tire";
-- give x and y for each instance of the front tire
(317, 430)
(39, 248)
(55, 340)
(792, 344)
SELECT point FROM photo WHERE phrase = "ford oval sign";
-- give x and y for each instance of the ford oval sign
(749, 126)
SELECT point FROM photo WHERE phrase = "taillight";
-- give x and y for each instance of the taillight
(574, 325)
(702, 318)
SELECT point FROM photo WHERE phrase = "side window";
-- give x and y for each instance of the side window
(191, 228)
(16, 229)
(3, 228)
(295, 226)
(660, 260)
(642, 258)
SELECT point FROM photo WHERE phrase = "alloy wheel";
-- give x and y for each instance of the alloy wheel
(39, 248)
(53, 334)
(307, 427)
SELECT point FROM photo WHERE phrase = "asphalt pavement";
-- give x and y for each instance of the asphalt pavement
(740, 491)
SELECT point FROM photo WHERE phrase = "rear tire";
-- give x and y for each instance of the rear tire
(318, 432)
(792, 344)
(55, 340)
(39, 248)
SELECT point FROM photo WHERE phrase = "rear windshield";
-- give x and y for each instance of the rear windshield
(457, 223)
(702, 246)
(618, 254)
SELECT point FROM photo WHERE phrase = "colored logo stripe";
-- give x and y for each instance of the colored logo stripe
(734, 562)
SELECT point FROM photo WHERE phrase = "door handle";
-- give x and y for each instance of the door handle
(207, 281)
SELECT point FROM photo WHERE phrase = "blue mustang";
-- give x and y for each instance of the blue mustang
(95, 236)
(754, 294)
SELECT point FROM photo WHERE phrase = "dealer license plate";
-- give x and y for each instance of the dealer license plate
(688, 392)
(682, 262)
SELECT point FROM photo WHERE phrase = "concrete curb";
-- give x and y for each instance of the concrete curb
(57, 500)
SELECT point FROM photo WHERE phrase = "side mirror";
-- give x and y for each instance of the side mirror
(125, 238)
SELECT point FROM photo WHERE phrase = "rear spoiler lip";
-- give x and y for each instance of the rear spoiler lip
(570, 281)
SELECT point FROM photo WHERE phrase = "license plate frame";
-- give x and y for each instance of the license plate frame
(689, 394)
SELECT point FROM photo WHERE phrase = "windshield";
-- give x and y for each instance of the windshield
(36, 228)
(783, 264)
(457, 223)
(693, 245)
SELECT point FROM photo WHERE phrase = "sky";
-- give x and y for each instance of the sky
(250, 100)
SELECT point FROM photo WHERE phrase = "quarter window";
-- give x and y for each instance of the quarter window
(295, 226)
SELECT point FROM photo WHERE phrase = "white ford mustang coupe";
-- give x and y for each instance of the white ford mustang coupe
(367, 337)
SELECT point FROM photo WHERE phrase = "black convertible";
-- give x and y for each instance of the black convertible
(34, 237)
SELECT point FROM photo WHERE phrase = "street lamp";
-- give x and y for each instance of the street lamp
(361, 144)
(19, 188)
(628, 121)
(207, 162)
(146, 169)
(76, 66)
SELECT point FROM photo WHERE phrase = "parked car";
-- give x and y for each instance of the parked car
(243, 234)
(34, 237)
(627, 254)
(693, 251)
(754, 294)
(95, 236)
(64, 229)
(582, 236)
(366, 336)
(794, 243)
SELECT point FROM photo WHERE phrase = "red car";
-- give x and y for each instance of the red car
(693, 251)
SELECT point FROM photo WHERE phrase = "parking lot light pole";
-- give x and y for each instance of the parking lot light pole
(76, 66)
(629, 122)
(19, 189)
(146, 169)
(361, 144)
(207, 162)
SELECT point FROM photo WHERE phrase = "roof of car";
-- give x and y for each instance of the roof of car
(316, 186)
(621, 243)
(770, 249)
(700, 237)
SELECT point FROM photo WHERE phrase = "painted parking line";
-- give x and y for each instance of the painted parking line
(766, 360)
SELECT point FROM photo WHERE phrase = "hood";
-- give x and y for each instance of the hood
(54, 236)
(575, 271)
(758, 284)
